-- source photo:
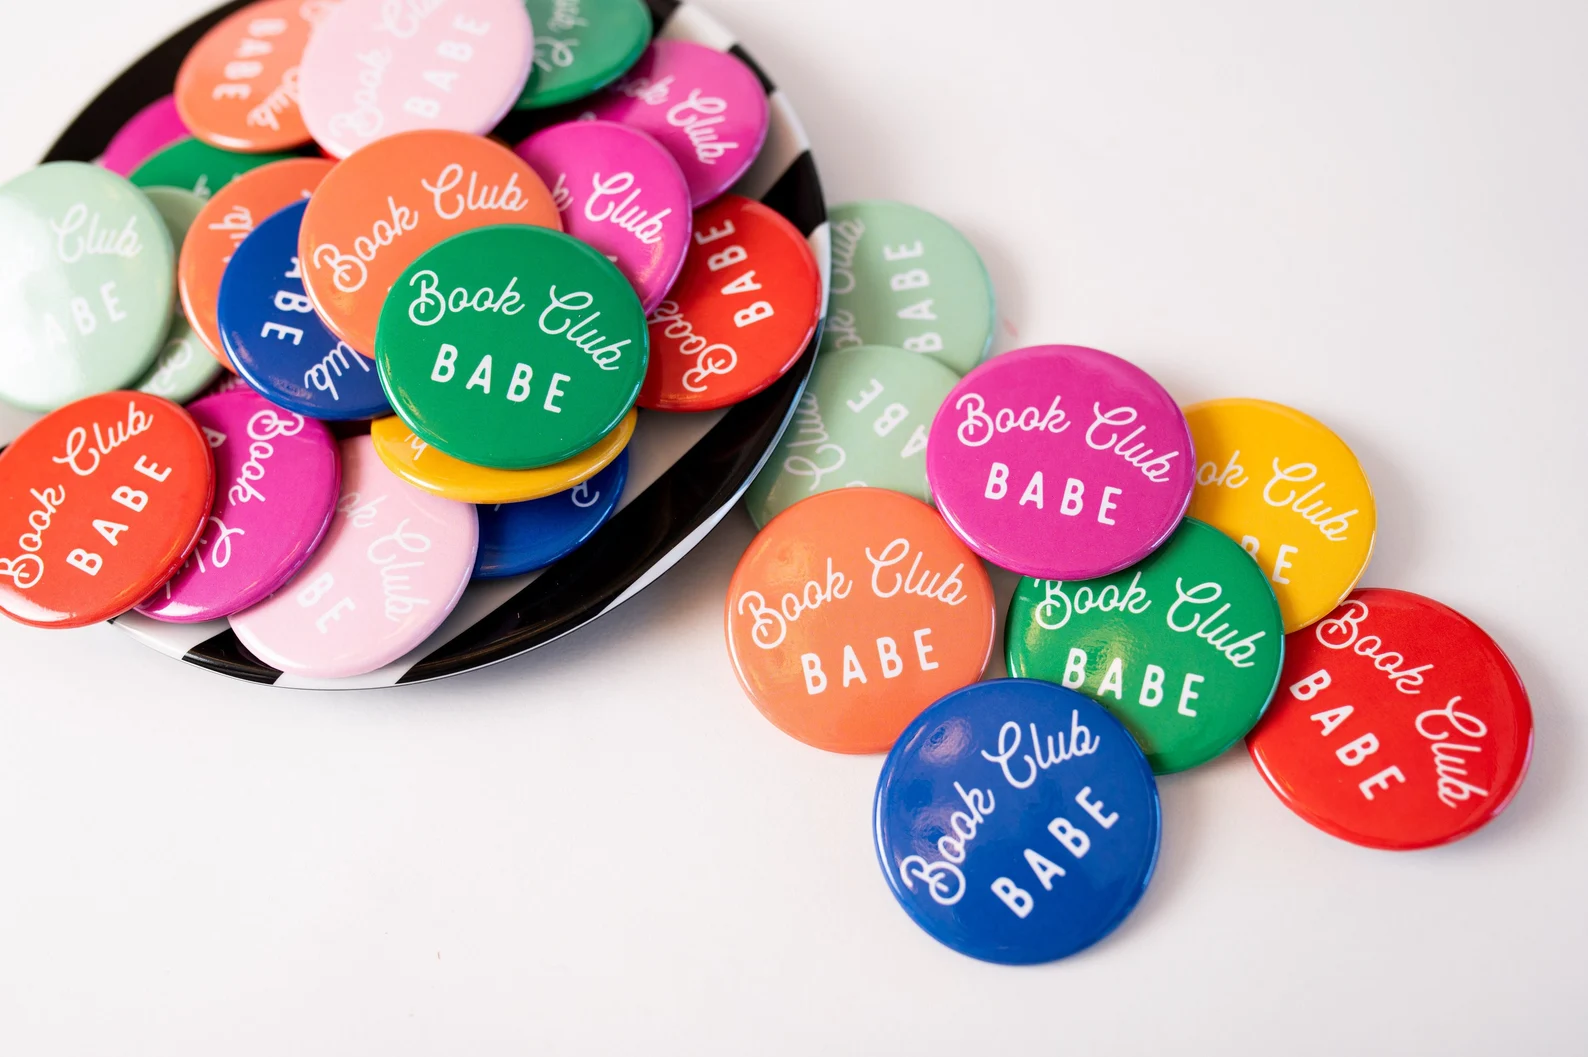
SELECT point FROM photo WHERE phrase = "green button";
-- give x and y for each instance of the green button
(183, 367)
(903, 277)
(87, 274)
(1184, 647)
(582, 45)
(511, 347)
(862, 420)
(193, 165)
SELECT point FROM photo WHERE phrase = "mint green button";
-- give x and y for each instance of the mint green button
(512, 347)
(193, 165)
(905, 278)
(183, 367)
(87, 274)
(582, 45)
(862, 420)
(1183, 647)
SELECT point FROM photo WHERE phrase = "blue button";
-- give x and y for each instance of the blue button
(277, 341)
(518, 537)
(1017, 821)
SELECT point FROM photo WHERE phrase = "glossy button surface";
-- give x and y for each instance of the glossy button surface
(227, 218)
(1291, 492)
(374, 68)
(275, 339)
(851, 612)
(1183, 648)
(440, 474)
(277, 478)
(1060, 462)
(383, 207)
(151, 128)
(238, 87)
(904, 277)
(741, 313)
(393, 565)
(86, 285)
(511, 347)
(582, 45)
(182, 369)
(862, 420)
(619, 191)
(195, 166)
(100, 501)
(1017, 822)
(518, 537)
(705, 106)
(1398, 724)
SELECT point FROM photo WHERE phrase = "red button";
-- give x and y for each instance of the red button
(1398, 723)
(100, 502)
(742, 311)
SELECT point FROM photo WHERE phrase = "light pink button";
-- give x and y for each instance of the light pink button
(375, 67)
(705, 106)
(156, 125)
(392, 567)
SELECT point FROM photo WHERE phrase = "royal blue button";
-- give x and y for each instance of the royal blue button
(275, 339)
(1017, 821)
(518, 537)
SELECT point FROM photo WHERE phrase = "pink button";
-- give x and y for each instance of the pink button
(375, 67)
(156, 125)
(391, 568)
(1060, 462)
(620, 191)
(705, 106)
(277, 477)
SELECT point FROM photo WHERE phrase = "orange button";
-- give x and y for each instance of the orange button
(226, 219)
(853, 611)
(392, 200)
(238, 88)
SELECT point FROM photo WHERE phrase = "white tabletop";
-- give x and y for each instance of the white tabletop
(1373, 211)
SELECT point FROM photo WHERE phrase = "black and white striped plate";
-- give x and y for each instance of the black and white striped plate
(685, 471)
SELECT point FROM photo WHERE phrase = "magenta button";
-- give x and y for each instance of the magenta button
(391, 568)
(620, 191)
(1060, 462)
(277, 477)
(156, 125)
(705, 106)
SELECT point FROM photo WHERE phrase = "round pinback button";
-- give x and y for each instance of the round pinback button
(511, 347)
(904, 277)
(440, 474)
(851, 612)
(238, 87)
(277, 342)
(1017, 822)
(705, 106)
(193, 165)
(373, 68)
(1060, 462)
(742, 311)
(227, 218)
(582, 46)
(86, 290)
(383, 207)
(1398, 724)
(277, 478)
(392, 566)
(520, 537)
(1286, 488)
(619, 191)
(155, 126)
(182, 369)
(862, 420)
(1183, 648)
(100, 501)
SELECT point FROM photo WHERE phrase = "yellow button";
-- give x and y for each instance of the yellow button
(439, 473)
(1282, 485)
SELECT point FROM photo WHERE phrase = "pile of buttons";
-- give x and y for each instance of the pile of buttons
(314, 350)
(1187, 580)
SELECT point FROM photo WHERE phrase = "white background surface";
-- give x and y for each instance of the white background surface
(1372, 210)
